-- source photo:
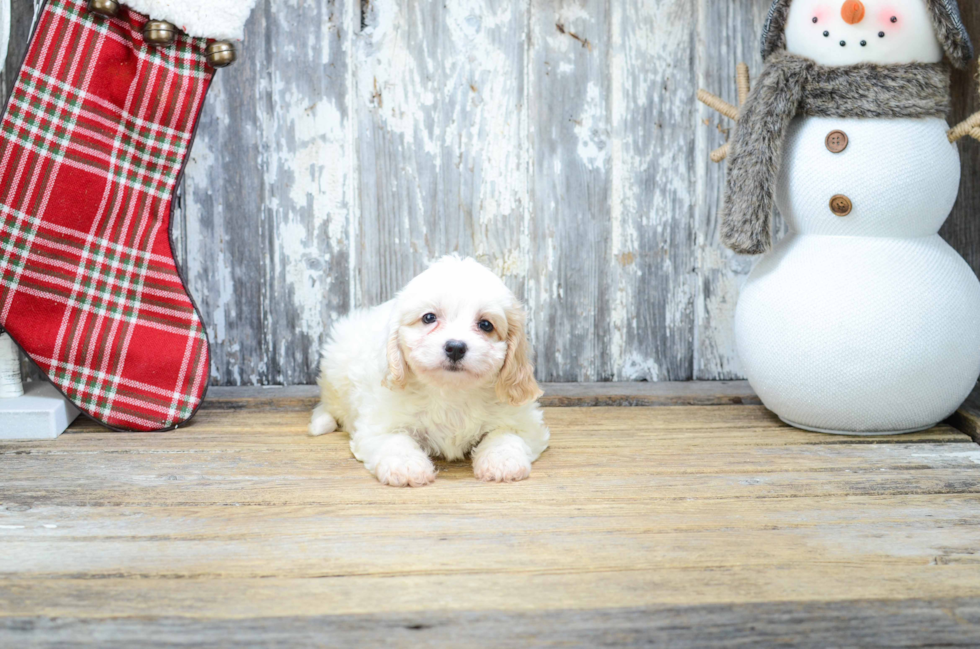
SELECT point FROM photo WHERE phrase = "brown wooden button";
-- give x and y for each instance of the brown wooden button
(841, 205)
(836, 141)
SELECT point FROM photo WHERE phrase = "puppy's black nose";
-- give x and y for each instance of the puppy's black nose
(455, 350)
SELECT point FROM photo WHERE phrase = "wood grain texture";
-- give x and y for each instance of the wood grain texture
(967, 418)
(556, 395)
(21, 23)
(728, 34)
(962, 230)
(700, 524)
(441, 127)
(558, 141)
(648, 288)
(264, 226)
(570, 182)
(817, 625)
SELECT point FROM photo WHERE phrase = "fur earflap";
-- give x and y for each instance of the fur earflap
(952, 32)
(946, 18)
(516, 384)
(396, 376)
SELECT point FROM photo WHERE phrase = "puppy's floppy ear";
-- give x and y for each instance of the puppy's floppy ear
(395, 378)
(516, 384)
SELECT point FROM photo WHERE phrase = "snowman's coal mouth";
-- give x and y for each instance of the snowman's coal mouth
(864, 43)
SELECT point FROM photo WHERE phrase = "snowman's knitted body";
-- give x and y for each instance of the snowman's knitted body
(864, 322)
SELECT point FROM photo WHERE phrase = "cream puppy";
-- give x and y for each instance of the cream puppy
(441, 370)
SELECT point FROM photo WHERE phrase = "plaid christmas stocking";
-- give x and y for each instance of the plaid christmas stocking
(92, 143)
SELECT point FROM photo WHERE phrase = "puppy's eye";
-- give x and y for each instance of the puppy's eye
(485, 325)
(429, 318)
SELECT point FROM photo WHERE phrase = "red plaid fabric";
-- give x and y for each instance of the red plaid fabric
(92, 144)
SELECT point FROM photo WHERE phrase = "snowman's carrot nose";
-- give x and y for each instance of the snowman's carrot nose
(852, 12)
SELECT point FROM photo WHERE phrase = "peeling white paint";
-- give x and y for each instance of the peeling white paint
(591, 129)
(388, 79)
(553, 141)
(513, 263)
(944, 456)
(319, 187)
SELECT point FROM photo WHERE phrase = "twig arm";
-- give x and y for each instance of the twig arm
(720, 105)
(717, 103)
(721, 153)
(965, 128)
(742, 79)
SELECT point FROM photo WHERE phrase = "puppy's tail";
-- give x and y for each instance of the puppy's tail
(322, 422)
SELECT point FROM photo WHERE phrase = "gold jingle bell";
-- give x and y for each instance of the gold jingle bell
(159, 32)
(108, 8)
(221, 54)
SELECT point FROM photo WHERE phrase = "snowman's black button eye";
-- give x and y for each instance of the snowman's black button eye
(894, 19)
(864, 43)
(815, 20)
(826, 34)
(843, 43)
(881, 34)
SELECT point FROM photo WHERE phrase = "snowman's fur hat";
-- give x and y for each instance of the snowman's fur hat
(946, 19)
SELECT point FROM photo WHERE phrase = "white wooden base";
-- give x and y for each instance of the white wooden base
(42, 413)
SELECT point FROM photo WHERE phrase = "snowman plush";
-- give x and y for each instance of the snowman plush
(861, 320)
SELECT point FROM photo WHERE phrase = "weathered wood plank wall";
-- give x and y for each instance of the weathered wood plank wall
(556, 140)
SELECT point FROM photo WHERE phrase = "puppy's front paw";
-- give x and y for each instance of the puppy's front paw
(502, 463)
(414, 470)
(322, 422)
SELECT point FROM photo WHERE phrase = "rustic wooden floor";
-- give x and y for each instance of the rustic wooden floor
(702, 526)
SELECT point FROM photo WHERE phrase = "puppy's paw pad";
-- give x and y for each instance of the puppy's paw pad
(502, 465)
(322, 423)
(406, 471)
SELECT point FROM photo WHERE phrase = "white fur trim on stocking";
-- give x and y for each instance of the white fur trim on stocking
(218, 19)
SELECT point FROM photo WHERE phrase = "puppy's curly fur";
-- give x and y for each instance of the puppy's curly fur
(444, 370)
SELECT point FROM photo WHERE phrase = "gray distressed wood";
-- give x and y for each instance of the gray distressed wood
(21, 20)
(676, 526)
(858, 623)
(611, 282)
(962, 230)
(729, 35)
(556, 395)
(570, 137)
(648, 283)
(967, 418)
(265, 219)
(558, 141)
(441, 120)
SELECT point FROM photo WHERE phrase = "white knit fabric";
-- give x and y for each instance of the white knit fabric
(219, 19)
(868, 323)
(902, 176)
(861, 334)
